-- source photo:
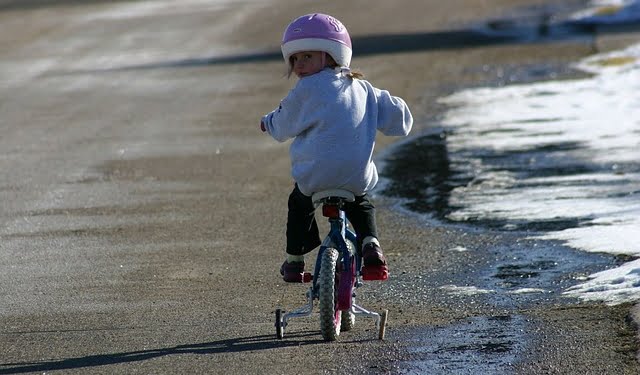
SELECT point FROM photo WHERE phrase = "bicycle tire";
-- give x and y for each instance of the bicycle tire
(349, 318)
(330, 317)
(348, 321)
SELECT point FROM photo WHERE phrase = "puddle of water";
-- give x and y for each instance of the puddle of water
(478, 345)
(516, 275)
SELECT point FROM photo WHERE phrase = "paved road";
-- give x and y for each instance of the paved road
(142, 213)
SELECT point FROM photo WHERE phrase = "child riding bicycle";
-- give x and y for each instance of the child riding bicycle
(332, 114)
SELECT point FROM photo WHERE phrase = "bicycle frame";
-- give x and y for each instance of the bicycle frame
(349, 274)
(337, 238)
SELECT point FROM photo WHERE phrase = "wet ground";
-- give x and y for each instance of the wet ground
(505, 281)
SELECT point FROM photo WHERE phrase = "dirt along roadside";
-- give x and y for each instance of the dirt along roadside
(144, 219)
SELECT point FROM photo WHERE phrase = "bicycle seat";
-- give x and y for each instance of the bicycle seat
(340, 194)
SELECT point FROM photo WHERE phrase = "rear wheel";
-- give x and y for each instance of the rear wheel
(349, 318)
(330, 317)
(348, 321)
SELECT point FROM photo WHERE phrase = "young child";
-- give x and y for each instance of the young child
(333, 115)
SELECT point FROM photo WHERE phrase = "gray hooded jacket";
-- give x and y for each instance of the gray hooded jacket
(333, 121)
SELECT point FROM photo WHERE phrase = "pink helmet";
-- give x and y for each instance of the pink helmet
(317, 32)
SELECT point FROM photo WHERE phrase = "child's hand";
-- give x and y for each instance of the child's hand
(262, 127)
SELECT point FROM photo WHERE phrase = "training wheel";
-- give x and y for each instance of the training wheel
(383, 324)
(279, 324)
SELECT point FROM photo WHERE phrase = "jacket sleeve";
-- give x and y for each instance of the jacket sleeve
(291, 117)
(394, 117)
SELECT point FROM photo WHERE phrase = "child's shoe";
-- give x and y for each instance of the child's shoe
(374, 264)
(292, 272)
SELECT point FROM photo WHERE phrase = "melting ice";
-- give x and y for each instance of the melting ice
(562, 151)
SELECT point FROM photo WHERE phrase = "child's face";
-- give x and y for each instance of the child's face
(307, 63)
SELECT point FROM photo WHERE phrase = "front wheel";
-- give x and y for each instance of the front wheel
(330, 316)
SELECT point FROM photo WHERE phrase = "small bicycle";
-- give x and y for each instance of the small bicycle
(336, 275)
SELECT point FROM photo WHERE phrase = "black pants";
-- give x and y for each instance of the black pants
(302, 229)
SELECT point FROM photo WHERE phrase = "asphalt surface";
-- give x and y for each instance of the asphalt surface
(142, 217)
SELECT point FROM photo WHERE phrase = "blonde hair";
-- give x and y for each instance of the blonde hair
(354, 74)
(331, 63)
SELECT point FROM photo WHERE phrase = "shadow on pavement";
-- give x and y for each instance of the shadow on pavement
(235, 345)
(497, 32)
(6, 5)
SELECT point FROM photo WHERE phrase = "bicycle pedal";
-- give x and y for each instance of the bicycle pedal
(307, 277)
(375, 273)
(303, 277)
